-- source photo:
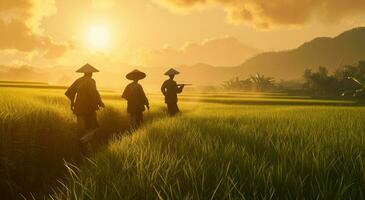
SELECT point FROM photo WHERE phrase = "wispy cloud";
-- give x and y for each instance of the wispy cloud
(224, 51)
(271, 13)
(20, 27)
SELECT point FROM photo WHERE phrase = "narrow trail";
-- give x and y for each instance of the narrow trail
(99, 142)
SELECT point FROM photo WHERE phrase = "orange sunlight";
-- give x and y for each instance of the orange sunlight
(98, 37)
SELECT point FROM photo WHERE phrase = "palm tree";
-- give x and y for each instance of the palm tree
(246, 84)
(233, 84)
(261, 82)
(237, 84)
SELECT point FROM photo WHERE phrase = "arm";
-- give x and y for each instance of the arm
(125, 93)
(180, 89)
(71, 93)
(163, 88)
(96, 94)
(146, 103)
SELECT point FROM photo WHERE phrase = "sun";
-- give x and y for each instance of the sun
(98, 37)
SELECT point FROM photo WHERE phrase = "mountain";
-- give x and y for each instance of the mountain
(198, 75)
(222, 51)
(346, 48)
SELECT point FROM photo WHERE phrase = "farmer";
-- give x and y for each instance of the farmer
(85, 101)
(136, 98)
(170, 89)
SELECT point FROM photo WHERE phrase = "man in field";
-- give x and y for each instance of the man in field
(136, 98)
(170, 89)
(85, 101)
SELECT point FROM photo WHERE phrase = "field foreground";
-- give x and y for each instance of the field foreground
(223, 146)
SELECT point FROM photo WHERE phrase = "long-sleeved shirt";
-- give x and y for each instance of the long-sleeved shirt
(84, 95)
(170, 90)
(135, 97)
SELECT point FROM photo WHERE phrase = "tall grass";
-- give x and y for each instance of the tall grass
(38, 134)
(33, 140)
(215, 150)
(238, 152)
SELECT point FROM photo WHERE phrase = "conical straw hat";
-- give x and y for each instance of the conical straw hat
(135, 75)
(172, 71)
(87, 69)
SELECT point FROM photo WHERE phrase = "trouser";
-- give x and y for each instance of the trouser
(87, 122)
(136, 119)
(87, 125)
(172, 108)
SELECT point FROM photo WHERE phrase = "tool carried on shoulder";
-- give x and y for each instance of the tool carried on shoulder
(184, 84)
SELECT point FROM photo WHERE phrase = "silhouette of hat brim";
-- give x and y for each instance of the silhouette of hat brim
(172, 71)
(87, 69)
(135, 75)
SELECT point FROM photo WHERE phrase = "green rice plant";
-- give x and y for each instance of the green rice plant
(223, 146)
(38, 133)
(243, 152)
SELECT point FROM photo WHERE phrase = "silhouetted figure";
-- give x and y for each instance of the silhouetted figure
(170, 89)
(85, 101)
(136, 98)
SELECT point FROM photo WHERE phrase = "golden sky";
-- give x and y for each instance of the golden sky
(112, 33)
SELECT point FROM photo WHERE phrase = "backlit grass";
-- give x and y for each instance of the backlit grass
(215, 150)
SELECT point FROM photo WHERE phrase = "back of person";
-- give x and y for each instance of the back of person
(86, 101)
(136, 97)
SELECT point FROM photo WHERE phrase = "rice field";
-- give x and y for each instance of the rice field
(223, 146)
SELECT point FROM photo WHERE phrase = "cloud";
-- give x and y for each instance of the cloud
(40, 9)
(20, 28)
(224, 51)
(55, 49)
(270, 13)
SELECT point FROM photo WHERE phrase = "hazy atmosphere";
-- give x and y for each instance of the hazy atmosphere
(182, 99)
(116, 36)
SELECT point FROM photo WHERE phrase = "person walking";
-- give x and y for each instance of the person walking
(170, 89)
(136, 98)
(85, 101)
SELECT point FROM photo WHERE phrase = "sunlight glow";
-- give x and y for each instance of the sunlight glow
(98, 37)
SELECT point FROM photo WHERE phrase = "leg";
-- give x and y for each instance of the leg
(81, 125)
(177, 110)
(133, 121)
(81, 131)
(172, 108)
(91, 121)
(169, 108)
(136, 119)
(139, 118)
(91, 125)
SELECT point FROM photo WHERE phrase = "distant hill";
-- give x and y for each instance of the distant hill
(199, 75)
(346, 48)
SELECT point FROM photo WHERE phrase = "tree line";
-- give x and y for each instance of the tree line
(319, 82)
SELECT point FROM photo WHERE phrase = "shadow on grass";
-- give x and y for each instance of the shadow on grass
(115, 122)
(34, 148)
